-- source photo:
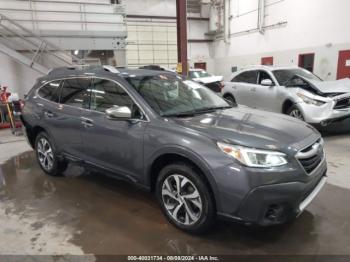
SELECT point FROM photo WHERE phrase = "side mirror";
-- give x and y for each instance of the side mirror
(266, 82)
(119, 113)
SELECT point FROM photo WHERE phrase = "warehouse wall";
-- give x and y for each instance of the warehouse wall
(17, 77)
(153, 41)
(313, 26)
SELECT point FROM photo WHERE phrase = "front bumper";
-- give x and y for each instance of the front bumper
(275, 203)
(324, 114)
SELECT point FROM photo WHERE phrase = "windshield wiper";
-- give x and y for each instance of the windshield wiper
(196, 111)
(181, 114)
(211, 109)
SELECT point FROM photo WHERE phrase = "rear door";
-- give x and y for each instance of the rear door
(74, 105)
(46, 107)
(244, 86)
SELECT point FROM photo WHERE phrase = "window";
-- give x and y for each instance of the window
(50, 91)
(168, 95)
(198, 74)
(107, 94)
(249, 77)
(284, 75)
(75, 92)
(264, 75)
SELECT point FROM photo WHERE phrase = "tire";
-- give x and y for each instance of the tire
(295, 112)
(231, 99)
(192, 208)
(46, 156)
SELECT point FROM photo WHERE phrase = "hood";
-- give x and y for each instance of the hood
(208, 79)
(253, 128)
(339, 86)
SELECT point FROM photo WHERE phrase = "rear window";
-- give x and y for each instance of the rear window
(50, 91)
(249, 77)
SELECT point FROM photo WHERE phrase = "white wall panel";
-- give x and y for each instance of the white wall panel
(313, 26)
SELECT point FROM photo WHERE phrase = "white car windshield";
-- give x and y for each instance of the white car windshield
(284, 75)
(198, 74)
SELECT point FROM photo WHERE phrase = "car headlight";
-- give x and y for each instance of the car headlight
(254, 157)
(309, 100)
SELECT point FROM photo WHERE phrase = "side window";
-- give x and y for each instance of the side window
(76, 92)
(264, 75)
(249, 77)
(50, 91)
(106, 94)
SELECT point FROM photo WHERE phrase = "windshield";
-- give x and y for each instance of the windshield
(198, 74)
(284, 75)
(170, 96)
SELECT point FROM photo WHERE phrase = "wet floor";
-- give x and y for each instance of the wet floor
(88, 213)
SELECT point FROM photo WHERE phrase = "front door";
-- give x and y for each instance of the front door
(266, 96)
(116, 145)
(344, 64)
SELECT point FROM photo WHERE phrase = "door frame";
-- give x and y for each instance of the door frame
(305, 54)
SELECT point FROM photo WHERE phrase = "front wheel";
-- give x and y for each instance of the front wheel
(230, 99)
(295, 112)
(185, 198)
(46, 156)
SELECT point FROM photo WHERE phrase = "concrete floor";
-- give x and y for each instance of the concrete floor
(86, 213)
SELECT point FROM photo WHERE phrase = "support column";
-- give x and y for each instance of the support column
(181, 24)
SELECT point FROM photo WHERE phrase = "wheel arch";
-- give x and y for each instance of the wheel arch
(33, 132)
(286, 105)
(174, 155)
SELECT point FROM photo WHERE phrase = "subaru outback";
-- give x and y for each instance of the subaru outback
(202, 157)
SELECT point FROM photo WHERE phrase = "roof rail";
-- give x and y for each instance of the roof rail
(84, 68)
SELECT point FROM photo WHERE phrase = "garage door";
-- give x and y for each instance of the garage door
(151, 41)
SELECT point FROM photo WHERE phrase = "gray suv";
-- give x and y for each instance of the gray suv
(202, 157)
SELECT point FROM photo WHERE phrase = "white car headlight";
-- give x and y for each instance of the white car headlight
(309, 100)
(254, 157)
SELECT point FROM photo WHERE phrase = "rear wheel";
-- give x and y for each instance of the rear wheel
(185, 198)
(46, 156)
(295, 112)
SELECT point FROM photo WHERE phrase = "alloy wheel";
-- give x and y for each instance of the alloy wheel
(181, 199)
(45, 154)
(297, 114)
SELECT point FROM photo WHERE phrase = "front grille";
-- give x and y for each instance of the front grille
(309, 164)
(216, 86)
(343, 103)
(311, 157)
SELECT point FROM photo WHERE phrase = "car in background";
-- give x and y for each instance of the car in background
(214, 83)
(290, 90)
(200, 156)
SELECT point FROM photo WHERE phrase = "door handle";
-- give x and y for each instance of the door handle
(40, 104)
(49, 114)
(253, 89)
(87, 122)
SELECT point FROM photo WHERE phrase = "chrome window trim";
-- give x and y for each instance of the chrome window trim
(89, 110)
